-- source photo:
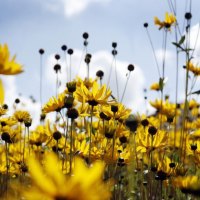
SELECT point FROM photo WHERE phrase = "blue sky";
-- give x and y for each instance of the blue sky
(28, 25)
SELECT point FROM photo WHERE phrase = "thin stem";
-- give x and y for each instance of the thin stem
(84, 51)
(90, 136)
(110, 72)
(116, 78)
(20, 141)
(65, 56)
(154, 54)
(64, 153)
(7, 161)
(182, 138)
(100, 82)
(176, 90)
(88, 71)
(24, 147)
(163, 72)
(70, 68)
(113, 145)
(57, 147)
(41, 81)
(151, 153)
(125, 86)
(71, 144)
(28, 141)
(56, 84)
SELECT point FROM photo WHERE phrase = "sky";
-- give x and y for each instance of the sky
(28, 25)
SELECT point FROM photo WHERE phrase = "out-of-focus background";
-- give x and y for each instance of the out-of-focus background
(28, 25)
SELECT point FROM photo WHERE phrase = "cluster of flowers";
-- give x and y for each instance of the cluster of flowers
(96, 149)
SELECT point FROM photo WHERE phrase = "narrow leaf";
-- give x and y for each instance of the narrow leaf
(181, 40)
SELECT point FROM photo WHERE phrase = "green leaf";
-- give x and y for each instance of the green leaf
(161, 83)
(178, 46)
(196, 92)
(181, 40)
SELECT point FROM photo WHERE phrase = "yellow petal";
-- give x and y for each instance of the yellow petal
(43, 182)
(53, 170)
(1, 92)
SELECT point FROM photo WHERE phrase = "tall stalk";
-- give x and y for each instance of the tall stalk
(90, 136)
(71, 146)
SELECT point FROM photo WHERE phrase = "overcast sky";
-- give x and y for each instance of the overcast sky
(28, 25)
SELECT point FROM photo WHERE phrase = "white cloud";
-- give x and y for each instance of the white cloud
(102, 61)
(169, 55)
(10, 88)
(75, 7)
(195, 41)
(11, 93)
(71, 7)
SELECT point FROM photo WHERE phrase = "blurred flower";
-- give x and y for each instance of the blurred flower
(1, 92)
(169, 20)
(155, 86)
(51, 184)
(3, 110)
(195, 69)
(8, 66)
(188, 184)
(164, 107)
(22, 116)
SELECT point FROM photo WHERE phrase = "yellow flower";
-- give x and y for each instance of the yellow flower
(164, 107)
(87, 82)
(39, 136)
(22, 116)
(94, 96)
(10, 121)
(194, 68)
(121, 114)
(147, 142)
(8, 66)
(83, 110)
(50, 183)
(54, 104)
(12, 134)
(3, 110)
(188, 184)
(169, 20)
(1, 92)
(155, 86)
(163, 164)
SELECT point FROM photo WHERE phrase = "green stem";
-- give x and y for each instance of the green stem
(7, 162)
(71, 144)
(90, 137)
(24, 146)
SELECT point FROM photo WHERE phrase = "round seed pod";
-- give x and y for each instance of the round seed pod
(72, 113)
(114, 108)
(131, 67)
(57, 135)
(85, 35)
(145, 122)
(64, 47)
(146, 25)
(152, 130)
(5, 136)
(41, 51)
